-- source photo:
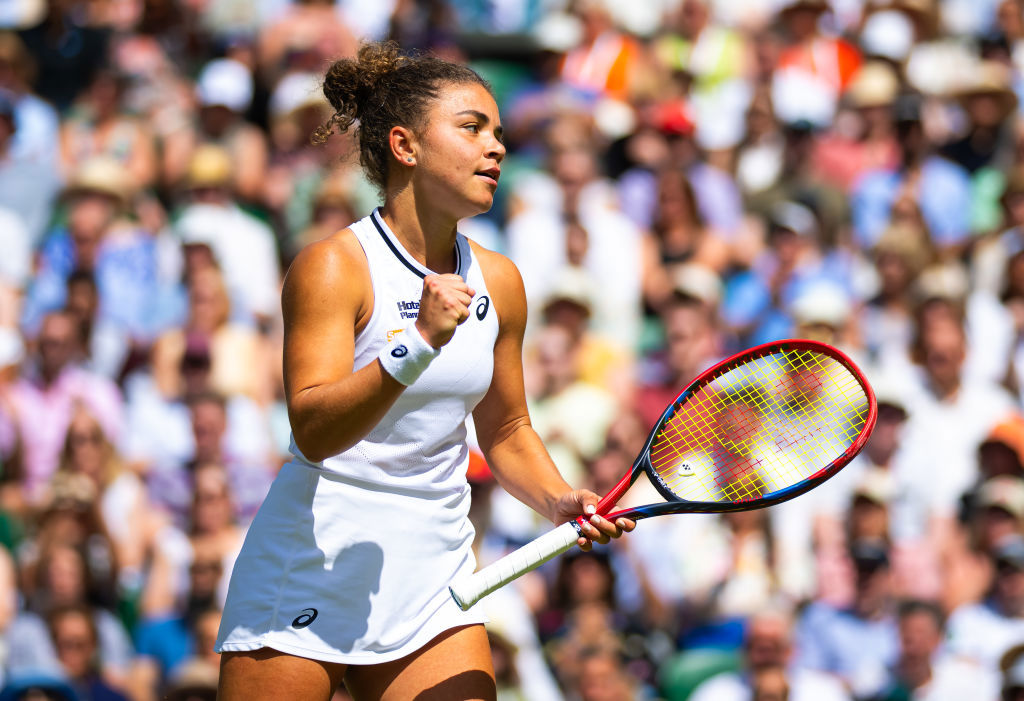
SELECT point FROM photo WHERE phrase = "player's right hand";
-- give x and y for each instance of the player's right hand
(444, 304)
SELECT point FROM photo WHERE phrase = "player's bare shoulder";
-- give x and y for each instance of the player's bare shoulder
(332, 270)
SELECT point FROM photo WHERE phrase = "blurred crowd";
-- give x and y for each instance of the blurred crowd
(684, 179)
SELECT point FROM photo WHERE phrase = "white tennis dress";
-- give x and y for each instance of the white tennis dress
(349, 560)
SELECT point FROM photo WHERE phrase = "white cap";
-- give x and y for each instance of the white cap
(889, 34)
(558, 32)
(698, 281)
(294, 91)
(227, 83)
(795, 217)
(822, 303)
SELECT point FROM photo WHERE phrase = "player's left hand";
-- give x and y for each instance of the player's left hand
(583, 502)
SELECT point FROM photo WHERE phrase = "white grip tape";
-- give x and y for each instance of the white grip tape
(476, 586)
(407, 355)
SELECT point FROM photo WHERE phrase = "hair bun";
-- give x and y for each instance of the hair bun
(349, 82)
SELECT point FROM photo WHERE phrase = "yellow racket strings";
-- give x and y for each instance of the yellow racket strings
(760, 427)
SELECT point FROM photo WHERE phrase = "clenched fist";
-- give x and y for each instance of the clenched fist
(444, 304)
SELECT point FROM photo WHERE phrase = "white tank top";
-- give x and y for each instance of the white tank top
(420, 443)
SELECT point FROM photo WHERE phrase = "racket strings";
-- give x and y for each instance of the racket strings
(760, 427)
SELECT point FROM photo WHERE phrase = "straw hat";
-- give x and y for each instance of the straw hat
(102, 175)
(989, 78)
(874, 85)
(908, 242)
(210, 166)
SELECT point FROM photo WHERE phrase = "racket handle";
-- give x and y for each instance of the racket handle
(469, 590)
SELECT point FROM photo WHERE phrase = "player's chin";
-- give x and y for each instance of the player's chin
(477, 205)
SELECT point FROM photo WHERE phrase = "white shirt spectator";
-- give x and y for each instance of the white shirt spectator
(938, 459)
(537, 244)
(804, 685)
(245, 249)
(978, 633)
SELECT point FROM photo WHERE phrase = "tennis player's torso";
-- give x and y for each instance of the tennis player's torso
(420, 442)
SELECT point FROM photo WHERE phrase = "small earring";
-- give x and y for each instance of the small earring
(409, 160)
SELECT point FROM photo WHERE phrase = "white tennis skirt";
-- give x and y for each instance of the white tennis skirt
(344, 572)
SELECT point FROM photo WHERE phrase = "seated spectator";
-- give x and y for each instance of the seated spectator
(950, 416)
(237, 352)
(171, 628)
(887, 318)
(37, 139)
(757, 301)
(923, 670)
(981, 631)
(100, 237)
(106, 346)
(768, 652)
(692, 343)
(62, 578)
(76, 639)
(98, 125)
(243, 247)
(858, 643)
(40, 403)
(603, 676)
(171, 484)
(28, 186)
(603, 362)
(934, 188)
(34, 651)
(224, 93)
(121, 495)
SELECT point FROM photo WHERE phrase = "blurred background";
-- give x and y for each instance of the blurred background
(685, 178)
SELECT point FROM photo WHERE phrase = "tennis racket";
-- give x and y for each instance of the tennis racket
(757, 429)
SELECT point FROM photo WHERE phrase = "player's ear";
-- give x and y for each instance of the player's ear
(402, 142)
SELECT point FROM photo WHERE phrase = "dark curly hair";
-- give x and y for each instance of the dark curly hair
(381, 88)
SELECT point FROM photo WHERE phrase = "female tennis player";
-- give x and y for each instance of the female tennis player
(396, 329)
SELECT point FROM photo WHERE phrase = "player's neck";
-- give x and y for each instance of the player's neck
(427, 235)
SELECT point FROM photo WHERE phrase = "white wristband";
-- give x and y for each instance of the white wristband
(407, 355)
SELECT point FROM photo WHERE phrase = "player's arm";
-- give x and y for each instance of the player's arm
(513, 450)
(326, 291)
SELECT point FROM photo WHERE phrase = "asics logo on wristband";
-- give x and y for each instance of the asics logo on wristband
(399, 352)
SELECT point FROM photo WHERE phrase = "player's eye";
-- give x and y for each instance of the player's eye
(473, 127)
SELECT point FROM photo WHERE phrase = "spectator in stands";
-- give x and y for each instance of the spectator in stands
(768, 650)
(172, 485)
(923, 670)
(37, 138)
(33, 205)
(63, 578)
(981, 631)
(243, 247)
(224, 93)
(858, 643)
(98, 125)
(692, 343)
(40, 403)
(101, 238)
(77, 642)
